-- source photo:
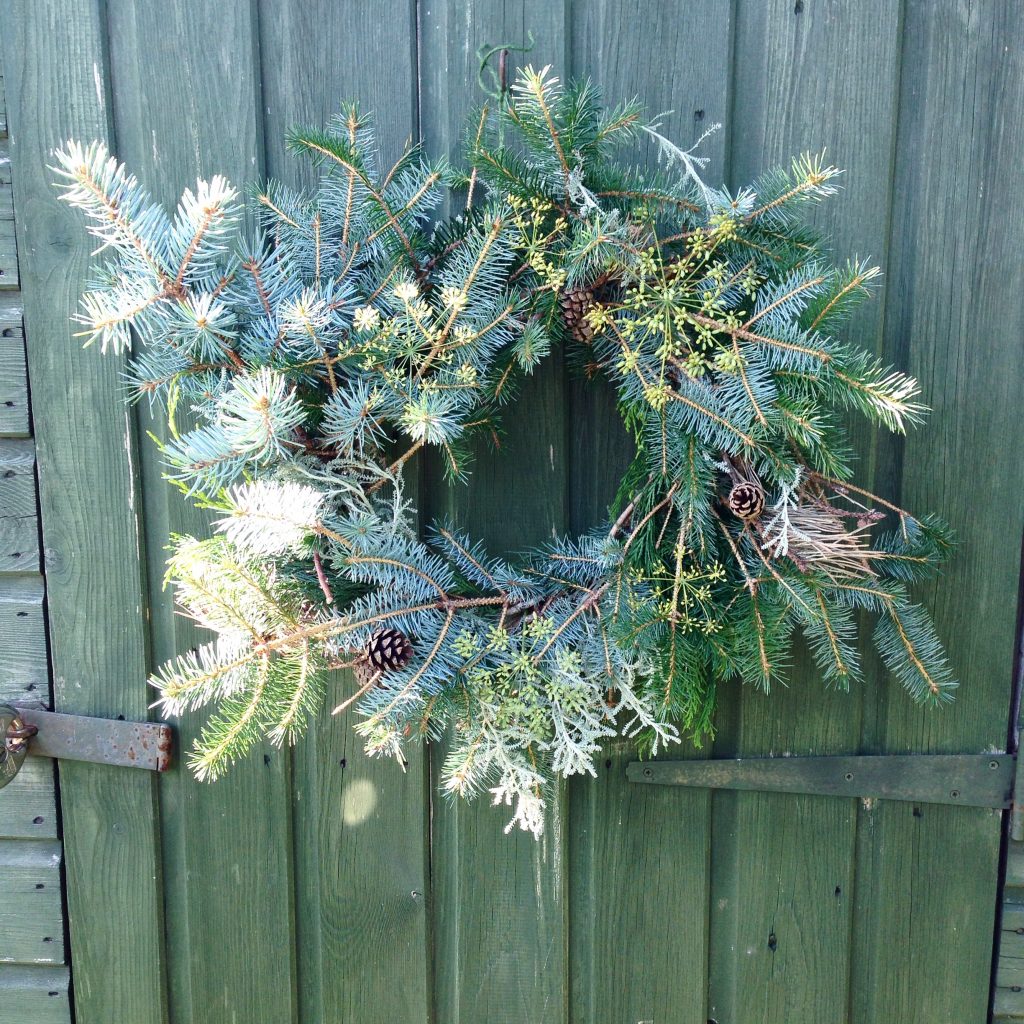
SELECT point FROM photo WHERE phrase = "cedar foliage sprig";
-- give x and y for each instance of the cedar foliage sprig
(348, 331)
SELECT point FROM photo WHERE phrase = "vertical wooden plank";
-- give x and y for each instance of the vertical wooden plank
(361, 824)
(639, 858)
(809, 76)
(499, 900)
(13, 371)
(55, 65)
(954, 318)
(187, 105)
(30, 873)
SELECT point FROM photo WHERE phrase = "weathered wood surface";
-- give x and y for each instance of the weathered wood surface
(23, 661)
(957, 152)
(31, 915)
(1008, 989)
(968, 780)
(808, 76)
(13, 387)
(13, 372)
(642, 955)
(320, 886)
(55, 64)
(32, 918)
(28, 809)
(8, 248)
(180, 112)
(34, 995)
(19, 512)
(360, 826)
(1008, 1003)
(500, 915)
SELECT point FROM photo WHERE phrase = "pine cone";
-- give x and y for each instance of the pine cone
(388, 650)
(746, 501)
(575, 304)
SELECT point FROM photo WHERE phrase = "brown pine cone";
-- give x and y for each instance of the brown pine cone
(575, 304)
(746, 500)
(388, 650)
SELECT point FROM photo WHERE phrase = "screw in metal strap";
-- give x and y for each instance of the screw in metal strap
(15, 745)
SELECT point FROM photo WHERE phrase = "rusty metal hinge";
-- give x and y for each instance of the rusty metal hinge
(973, 780)
(33, 731)
(1017, 808)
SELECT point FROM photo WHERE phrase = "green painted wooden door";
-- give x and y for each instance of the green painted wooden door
(314, 885)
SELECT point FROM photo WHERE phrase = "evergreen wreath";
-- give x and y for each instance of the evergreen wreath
(347, 330)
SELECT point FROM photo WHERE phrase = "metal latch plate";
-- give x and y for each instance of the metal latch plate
(974, 780)
(104, 740)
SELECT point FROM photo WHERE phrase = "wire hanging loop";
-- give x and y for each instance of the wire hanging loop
(499, 78)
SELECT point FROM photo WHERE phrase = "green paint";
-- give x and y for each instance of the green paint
(86, 493)
(500, 915)
(34, 995)
(634, 957)
(27, 807)
(19, 522)
(31, 916)
(302, 889)
(360, 825)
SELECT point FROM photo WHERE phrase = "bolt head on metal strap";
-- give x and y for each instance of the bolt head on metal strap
(14, 748)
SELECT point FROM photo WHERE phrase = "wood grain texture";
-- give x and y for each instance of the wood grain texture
(1007, 1006)
(9, 278)
(34, 995)
(960, 129)
(23, 663)
(926, 889)
(31, 914)
(1014, 877)
(362, 887)
(961, 122)
(184, 111)
(19, 514)
(1009, 980)
(639, 864)
(500, 907)
(13, 387)
(811, 76)
(13, 371)
(28, 809)
(360, 824)
(54, 63)
(302, 887)
(639, 888)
